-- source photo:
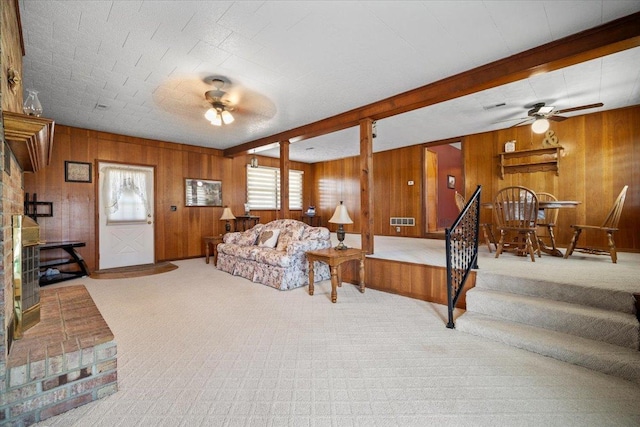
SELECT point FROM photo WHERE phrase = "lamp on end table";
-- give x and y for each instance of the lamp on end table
(227, 215)
(341, 217)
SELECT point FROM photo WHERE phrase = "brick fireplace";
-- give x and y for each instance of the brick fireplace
(67, 360)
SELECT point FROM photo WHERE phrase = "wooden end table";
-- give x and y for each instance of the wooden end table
(335, 258)
(208, 241)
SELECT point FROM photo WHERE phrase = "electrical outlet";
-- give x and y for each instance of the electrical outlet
(410, 183)
(397, 229)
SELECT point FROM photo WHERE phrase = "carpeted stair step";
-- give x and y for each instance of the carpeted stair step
(587, 322)
(609, 359)
(608, 299)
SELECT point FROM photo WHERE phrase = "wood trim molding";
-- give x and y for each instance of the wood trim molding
(612, 37)
(30, 139)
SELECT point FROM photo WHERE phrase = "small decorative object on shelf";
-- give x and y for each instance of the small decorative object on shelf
(510, 146)
(311, 211)
(247, 209)
(32, 105)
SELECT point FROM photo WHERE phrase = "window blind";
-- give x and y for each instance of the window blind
(263, 188)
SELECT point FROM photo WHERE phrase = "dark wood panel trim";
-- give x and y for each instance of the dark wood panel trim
(615, 36)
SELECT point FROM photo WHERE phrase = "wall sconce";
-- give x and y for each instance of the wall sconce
(341, 217)
(227, 215)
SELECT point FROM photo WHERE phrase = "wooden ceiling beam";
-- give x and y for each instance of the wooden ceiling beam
(606, 39)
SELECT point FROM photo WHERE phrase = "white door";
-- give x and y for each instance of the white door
(126, 230)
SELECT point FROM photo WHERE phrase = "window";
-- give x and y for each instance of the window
(125, 193)
(263, 188)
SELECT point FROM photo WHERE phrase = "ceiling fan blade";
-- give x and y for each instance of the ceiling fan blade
(582, 107)
(555, 118)
(522, 122)
(510, 120)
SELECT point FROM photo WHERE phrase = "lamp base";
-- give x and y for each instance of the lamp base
(341, 247)
(227, 226)
(340, 234)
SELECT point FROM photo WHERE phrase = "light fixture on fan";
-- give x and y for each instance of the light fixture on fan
(219, 111)
(540, 125)
(218, 115)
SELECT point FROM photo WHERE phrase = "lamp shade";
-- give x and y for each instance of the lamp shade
(540, 126)
(227, 214)
(341, 216)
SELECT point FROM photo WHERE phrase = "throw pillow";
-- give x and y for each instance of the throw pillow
(268, 238)
(288, 235)
(248, 238)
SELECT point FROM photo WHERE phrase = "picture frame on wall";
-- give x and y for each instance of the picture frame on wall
(202, 192)
(451, 181)
(77, 171)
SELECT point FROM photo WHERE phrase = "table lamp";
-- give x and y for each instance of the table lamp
(227, 215)
(341, 217)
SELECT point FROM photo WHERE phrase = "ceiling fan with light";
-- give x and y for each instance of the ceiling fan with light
(540, 114)
(220, 111)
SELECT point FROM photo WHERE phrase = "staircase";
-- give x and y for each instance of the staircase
(584, 325)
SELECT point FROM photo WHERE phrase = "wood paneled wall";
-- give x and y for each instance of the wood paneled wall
(601, 154)
(178, 233)
(392, 170)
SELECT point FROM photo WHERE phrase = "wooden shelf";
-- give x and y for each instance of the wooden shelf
(544, 165)
(30, 139)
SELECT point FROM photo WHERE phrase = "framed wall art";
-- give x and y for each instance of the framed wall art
(77, 171)
(202, 192)
(451, 181)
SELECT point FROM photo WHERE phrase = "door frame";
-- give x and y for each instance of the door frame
(96, 220)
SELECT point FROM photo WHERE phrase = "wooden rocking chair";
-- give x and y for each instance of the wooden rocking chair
(609, 226)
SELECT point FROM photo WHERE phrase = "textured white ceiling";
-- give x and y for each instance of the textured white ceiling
(292, 63)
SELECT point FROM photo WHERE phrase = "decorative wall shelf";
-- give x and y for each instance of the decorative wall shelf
(30, 139)
(534, 164)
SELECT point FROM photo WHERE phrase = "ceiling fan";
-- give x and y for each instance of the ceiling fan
(540, 114)
(187, 98)
(220, 111)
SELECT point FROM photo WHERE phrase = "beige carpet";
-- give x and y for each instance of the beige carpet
(198, 347)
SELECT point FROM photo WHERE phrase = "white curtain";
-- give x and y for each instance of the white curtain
(117, 180)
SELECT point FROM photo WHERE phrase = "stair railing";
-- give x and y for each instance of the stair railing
(462, 250)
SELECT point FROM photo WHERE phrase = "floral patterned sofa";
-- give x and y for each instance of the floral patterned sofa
(274, 253)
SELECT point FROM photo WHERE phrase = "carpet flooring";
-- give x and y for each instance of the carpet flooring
(199, 347)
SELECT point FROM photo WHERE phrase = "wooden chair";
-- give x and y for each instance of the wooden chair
(548, 217)
(486, 227)
(516, 211)
(609, 226)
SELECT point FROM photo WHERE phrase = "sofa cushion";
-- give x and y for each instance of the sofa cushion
(273, 257)
(244, 252)
(268, 238)
(250, 237)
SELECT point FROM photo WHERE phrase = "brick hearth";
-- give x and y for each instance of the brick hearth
(65, 361)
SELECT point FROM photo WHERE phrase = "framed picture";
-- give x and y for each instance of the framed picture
(77, 171)
(201, 192)
(451, 181)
